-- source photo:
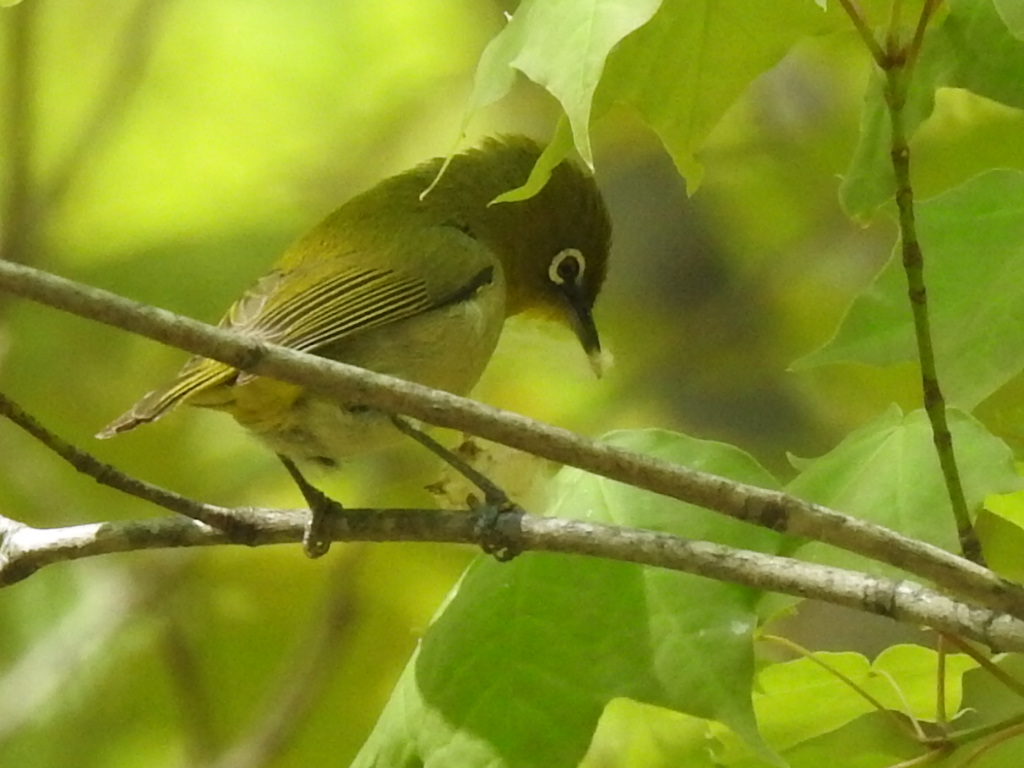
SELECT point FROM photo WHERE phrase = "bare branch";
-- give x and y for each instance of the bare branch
(772, 509)
(105, 474)
(24, 550)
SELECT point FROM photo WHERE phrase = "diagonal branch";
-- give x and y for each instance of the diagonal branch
(23, 550)
(772, 509)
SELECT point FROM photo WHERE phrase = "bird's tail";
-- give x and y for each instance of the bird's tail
(198, 375)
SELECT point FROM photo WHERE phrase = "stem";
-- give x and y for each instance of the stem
(991, 734)
(897, 79)
(941, 715)
(861, 25)
(930, 7)
(985, 663)
(994, 741)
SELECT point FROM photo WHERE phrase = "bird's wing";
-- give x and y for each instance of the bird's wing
(323, 304)
(326, 300)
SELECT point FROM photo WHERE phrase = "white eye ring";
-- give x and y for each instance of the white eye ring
(562, 261)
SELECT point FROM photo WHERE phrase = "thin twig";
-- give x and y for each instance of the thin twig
(991, 743)
(23, 550)
(219, 517)
(898, 78)
(917, 43)
(935, 753)
(985, 663)
(864, 30)
(892, 35)
(772, 509)
(913, 732)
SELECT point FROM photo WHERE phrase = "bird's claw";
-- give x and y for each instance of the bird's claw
(494, 537)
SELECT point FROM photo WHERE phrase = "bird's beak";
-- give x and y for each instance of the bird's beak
(583, 324)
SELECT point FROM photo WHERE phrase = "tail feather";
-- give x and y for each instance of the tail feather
(198, 375)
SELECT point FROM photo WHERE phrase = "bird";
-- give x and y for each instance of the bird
(413, 278)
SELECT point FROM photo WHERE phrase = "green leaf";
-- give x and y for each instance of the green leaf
(680, 63)
(553, 154)
(562, 45)
(518, 666)
(870, 741)
(789, 696)
(986, 58)
(686, 67)
(1012, 14)
(869, 181)
(973, 243)
(903, 679)
(788, 693)
(971, 49)
(888, 472)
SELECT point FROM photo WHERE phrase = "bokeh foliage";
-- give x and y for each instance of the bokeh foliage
(168, 149)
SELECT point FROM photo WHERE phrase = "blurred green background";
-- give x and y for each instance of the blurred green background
(168, 150)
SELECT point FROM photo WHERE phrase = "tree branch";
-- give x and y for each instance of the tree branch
(772, 509)
(24, 550)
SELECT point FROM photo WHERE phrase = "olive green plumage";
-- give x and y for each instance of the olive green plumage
(415, 288)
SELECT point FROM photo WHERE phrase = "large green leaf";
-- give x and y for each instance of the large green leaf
(680, 63)
(888, 472)
(561, 45)
(686, 67)
(518, 666)
(973, 243)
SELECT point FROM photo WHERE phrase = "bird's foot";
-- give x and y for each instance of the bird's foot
(316, 538)
(496, 527)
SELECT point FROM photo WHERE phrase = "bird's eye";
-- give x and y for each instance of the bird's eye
(567, 267)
